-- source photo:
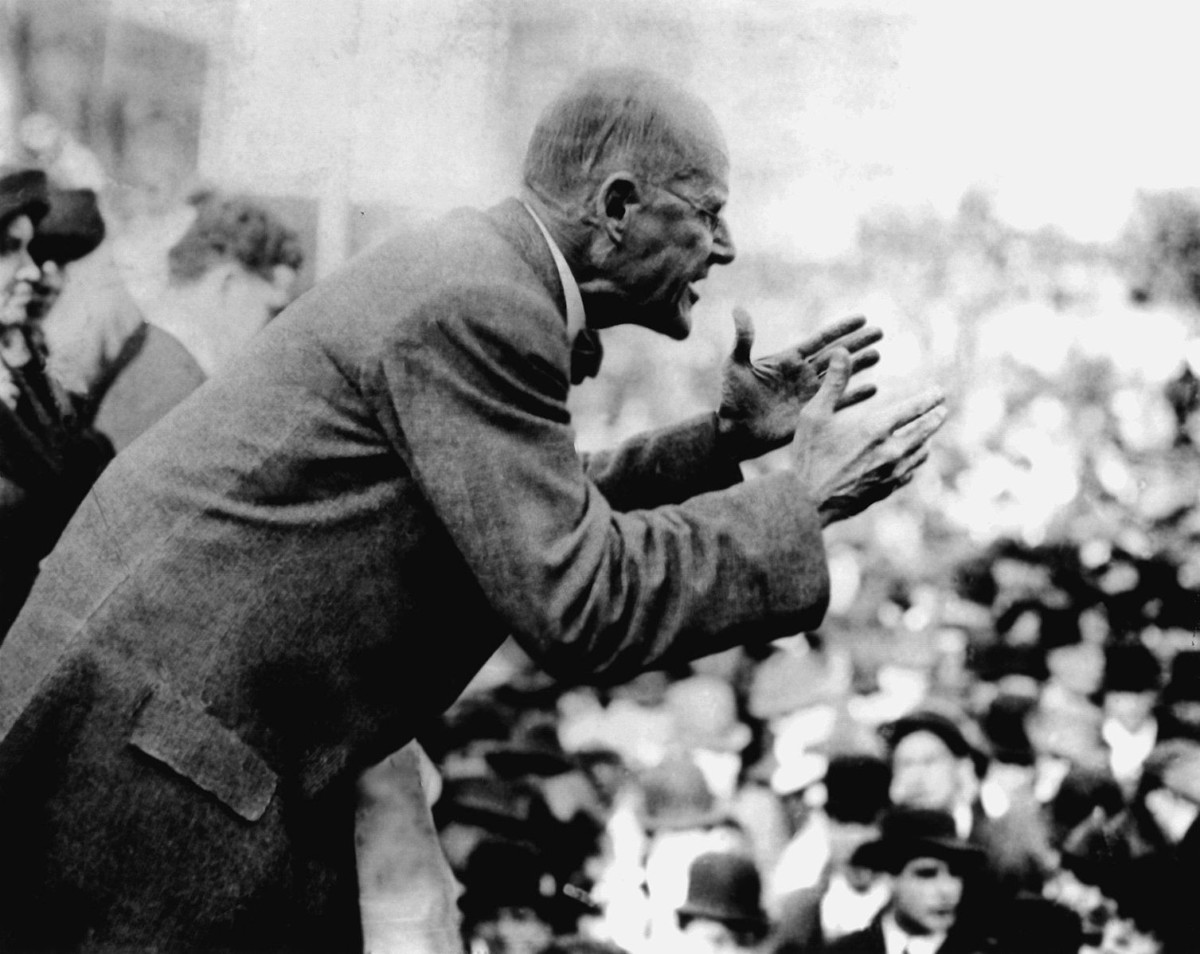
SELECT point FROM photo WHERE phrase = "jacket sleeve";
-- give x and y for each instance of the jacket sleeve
(664, 466)
(473, 388)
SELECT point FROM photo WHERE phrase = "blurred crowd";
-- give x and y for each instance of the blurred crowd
(1034, 787)
(1032, 783)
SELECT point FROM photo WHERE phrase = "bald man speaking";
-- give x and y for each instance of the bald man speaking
(272, 589)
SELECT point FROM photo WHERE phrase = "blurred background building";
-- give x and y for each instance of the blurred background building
(1006, 190)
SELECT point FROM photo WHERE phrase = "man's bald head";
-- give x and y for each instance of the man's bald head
(620, 120)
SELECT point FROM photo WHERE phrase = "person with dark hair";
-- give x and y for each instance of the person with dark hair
(263, 599)
(232, 271)
(48, 456)
(927, 865)
(71, 230)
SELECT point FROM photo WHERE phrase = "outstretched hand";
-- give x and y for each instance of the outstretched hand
(762, 399)
(848, 469)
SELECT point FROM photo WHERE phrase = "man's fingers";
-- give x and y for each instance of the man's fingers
(856, 396)
(743, 330)
(916, 432)
(864, 360)
(908, 465)
(834, 385)
(914, 407)
(827, 336)
(853, 343)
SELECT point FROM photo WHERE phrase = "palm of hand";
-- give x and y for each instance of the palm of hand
(764, 398)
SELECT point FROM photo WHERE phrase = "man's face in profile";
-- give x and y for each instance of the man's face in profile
(675, 237)
(668, 233)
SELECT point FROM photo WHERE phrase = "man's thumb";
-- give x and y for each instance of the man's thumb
(836, 377)
(743, 330)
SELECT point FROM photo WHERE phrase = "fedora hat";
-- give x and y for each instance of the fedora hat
(909, 833)
(725, 887)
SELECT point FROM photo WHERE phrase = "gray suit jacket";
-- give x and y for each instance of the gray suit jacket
(272, 588)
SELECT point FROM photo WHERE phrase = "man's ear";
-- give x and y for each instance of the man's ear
(617, 196)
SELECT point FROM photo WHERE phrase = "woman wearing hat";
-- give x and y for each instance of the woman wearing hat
(23, 203)
(48, 460)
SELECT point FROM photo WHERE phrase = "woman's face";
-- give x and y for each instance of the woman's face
(18, 272)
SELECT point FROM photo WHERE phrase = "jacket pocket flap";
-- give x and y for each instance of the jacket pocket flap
(180, 734)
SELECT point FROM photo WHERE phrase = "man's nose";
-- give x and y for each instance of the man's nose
(28, 270)
(723, 250)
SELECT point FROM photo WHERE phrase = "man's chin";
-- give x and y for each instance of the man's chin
(673, 319)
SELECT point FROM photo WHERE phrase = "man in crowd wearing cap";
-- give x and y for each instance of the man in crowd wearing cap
(333, 535)
(723, 910)
(48, 457)
(927, 865)
(936, 767)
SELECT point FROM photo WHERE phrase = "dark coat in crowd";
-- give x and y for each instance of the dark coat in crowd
(1151, 880)
(310, 557)
(48, 460)
(870, 940)
(155, 373)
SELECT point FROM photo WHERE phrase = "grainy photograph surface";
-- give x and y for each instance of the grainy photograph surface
(599, 476)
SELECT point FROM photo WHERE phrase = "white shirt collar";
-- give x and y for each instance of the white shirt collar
(1128, 750)
(898, 941)
(575, 315)
(964, 820)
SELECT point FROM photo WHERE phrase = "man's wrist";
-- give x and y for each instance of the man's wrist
(732, 439)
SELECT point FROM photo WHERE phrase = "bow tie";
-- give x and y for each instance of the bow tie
(586, 354)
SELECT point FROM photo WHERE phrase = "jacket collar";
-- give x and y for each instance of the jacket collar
(514, 223)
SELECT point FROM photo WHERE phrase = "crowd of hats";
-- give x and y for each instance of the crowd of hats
(537, 768)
